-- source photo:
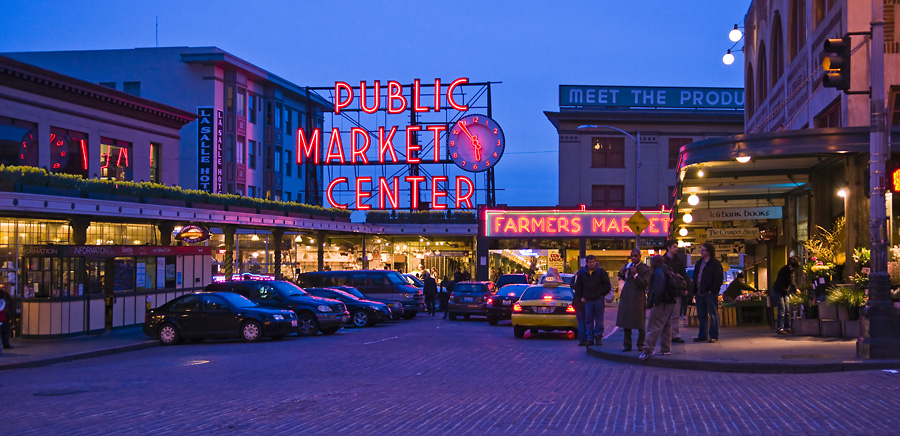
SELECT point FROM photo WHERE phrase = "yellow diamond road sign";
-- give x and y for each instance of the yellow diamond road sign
(637, 223)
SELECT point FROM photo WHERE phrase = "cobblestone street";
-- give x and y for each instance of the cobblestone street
(429, 376)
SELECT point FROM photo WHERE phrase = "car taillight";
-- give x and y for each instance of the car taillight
(570, 309)
(548, 297)
(486, 297)
(489, 301)
(517, 307)
(451, 295)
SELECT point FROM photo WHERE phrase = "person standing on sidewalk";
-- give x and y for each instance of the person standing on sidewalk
(784, 286)
(675, 262)
(662, 301)
(708, 278)
(445, 295)
(632, 313)
(590, 288)
(430, 291)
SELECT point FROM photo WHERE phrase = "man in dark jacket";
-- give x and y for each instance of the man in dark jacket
(430, 292)
(590, 288)
(708, 279)
(784, 286)
(675, 262)
(662, 306)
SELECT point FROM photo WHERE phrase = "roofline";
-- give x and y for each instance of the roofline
(647, 116)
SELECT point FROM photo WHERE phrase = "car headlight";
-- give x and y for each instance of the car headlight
(406, 295)
(278, 317)
(324, 308)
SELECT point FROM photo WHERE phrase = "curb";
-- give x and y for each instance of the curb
(77, 356)
(747, 366)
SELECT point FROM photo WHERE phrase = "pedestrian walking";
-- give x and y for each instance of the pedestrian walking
(430, 292)
(784, 286)
(445, 297)
(444, 294)
(675, 261)
(590, 288)
(708, 278)
(661, 299)
(632, 313)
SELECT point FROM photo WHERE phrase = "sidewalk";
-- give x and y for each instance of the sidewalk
(30, 353)
(749, 350)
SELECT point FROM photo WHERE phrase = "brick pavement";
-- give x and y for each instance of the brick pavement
(428, 376)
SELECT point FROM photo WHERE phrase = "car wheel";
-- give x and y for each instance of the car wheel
(519, 331)
(360, 318)
(330, 331)
(251, 331)
(452, 317)
(492, 320)
(307, 325)
(409, 315)
(168, 334)
(466, 316)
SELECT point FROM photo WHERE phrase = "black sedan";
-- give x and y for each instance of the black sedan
(363, 313)
(216, 315)
(499, 306)
(395, 305)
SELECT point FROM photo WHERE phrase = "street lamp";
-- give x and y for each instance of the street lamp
(637, 167)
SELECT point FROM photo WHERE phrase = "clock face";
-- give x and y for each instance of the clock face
(476, 143)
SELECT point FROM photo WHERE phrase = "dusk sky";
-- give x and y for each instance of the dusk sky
(530, 46)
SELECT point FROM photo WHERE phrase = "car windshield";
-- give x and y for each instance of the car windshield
(353, 291)
(539, 292)
(237, 300)
(344, 294)
(413, 280)
(511, 278)
(288, 288)
(395, 278)
(468, 287)
(512, 290)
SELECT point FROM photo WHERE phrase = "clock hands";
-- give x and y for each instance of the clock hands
(475, 143)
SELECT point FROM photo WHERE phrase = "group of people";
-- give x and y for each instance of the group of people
(664, 287)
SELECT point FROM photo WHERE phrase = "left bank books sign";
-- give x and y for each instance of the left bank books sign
(209, 149)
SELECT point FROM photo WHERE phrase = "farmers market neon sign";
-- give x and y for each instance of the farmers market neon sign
(599, 224)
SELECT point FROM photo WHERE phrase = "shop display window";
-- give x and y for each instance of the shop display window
(18, 142)
(115, 160)
(68, 152)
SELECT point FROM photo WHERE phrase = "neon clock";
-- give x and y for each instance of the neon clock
(476, 143)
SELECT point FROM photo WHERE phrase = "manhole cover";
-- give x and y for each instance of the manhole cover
(60, 392)
(808, 356)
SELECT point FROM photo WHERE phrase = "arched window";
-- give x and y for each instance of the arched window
(797, 32)
(762, 79)
(777, 59)
(749, 105)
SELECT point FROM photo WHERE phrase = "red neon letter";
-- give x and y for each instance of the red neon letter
(363, 97)
(335, 141)
(450, 88)
(84, 156)
(460, 199)
(417, 97)
(395, 92)
(437, 140)
(305, 149)
(576, 225)
(437, 95)
(414, 190)
(338, 103)
(410, 147)
(354, 132)
(497, 220)
(330, 197)
(384, 190)
(437, 193)
(360, 194)
(122, 152)
(386, 144)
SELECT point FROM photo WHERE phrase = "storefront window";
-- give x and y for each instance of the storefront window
(68, 152)
(122, 234)
(18, 142)
(155, 150)
(115, 159)
(47, 277)
(123, 274)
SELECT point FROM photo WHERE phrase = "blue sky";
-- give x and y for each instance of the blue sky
(530, 46)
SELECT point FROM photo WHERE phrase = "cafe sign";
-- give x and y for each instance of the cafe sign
(733, 233)
(192, 234)
(736, 214)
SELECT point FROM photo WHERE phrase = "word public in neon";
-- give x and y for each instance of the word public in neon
(598, 224)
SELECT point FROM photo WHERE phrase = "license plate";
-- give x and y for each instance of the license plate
(467, 299)
(543, 310)
(507, 302)
(293, 323)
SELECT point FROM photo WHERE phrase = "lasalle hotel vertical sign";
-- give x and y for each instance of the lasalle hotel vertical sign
(209, 149)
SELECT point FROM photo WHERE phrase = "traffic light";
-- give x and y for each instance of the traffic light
(837, 63)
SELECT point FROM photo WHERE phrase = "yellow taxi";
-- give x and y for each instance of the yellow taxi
(545, 307)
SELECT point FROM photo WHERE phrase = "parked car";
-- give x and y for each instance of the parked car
(508, 279)
(395, 305)
(499, 306)
(566, 278)
(468, 298)
(373, 284)
(363, 313)
(314, 314)
(544, 308)
(216, 315)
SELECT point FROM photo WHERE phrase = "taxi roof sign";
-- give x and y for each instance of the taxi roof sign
(638, 222)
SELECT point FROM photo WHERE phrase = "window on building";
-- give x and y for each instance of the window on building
(251, 191)
(300, 197)
(278, 110)
(277, 161)
(270, 119)
(797, 32)
(830, 117)
(287, 196)
(18, 142)
(240, 101)
(133, 88)
(749, 96)
(269, 156)
(777, 55)
(762, 80)
(675, 145)
(229, 99)
(288, 121)
(608, 196)
(69, 152)
(608, 152)
(894, 106)
(115, 159)
(822, 9)
(288, 162)
(239, 155)
(251, 108)
(251, 153)
(155, 150)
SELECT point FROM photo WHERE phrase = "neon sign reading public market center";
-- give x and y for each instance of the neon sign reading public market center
(361, 140)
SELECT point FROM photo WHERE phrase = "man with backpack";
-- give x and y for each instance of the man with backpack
(661, 298)
(675, 262)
